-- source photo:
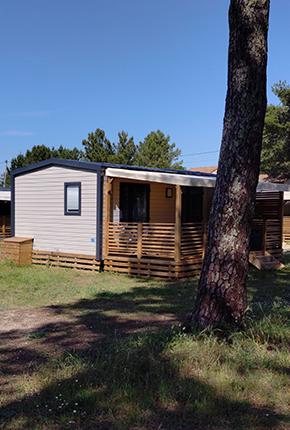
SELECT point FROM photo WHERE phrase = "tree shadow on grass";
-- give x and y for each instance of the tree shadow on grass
(115, 346)
(267, 289)
(121, 376)
(132, 384)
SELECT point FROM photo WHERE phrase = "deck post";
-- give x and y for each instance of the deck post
(281, 203)
(178, 204)
(205, 199)
(108, 214)
(3, 226)
(264, 236)
(139, 240)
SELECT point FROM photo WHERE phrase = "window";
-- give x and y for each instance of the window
(134, 202)
(191, 204)
(72, 198)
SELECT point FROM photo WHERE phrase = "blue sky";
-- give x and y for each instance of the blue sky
(70, 66)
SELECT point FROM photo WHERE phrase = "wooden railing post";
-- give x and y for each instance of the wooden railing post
(139, 240)
(264, 236)
(3, 226)
(281, 218)
(108, 214)
(178, 204)
(205, 217)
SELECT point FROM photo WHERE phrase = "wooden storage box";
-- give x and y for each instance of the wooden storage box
(18, 250)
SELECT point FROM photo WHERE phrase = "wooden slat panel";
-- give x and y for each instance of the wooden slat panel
(5, 228)
(192, 239)
(17, 250)
(155, 268)
(122, 238)
(268, 214)
(157, 257)
(75, 261)
(156, 239)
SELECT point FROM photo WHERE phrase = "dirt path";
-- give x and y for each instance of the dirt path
(18, 327)
(29, 336)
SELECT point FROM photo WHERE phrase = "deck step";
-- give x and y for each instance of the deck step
(264, 261)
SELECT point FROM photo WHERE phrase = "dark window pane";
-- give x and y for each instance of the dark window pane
(191, 204)
(134, 202)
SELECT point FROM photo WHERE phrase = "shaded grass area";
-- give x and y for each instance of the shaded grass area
(143, 371)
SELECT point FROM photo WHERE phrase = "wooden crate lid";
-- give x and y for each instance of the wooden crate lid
(18, 239)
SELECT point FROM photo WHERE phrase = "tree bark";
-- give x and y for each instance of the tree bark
(222, 297)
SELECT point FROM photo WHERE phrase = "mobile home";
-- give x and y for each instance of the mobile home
(140, 221)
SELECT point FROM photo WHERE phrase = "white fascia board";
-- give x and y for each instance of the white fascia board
(165, 178)
(186, 180)
(5, 195)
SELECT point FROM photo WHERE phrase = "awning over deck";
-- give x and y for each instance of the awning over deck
(183, 179)
(164, 178)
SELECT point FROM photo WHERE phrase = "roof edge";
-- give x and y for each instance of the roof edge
(98, 167)
(95, 167)
(73, 164)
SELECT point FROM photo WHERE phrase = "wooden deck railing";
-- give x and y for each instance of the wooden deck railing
(5, 228)
(154, 239)
(5, 231)
(271, 234)
(192, 239)
(159, 239)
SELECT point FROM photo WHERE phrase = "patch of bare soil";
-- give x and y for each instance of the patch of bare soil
(29, 336)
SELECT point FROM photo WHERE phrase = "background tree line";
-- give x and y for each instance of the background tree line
(155, 150)
(275, 157)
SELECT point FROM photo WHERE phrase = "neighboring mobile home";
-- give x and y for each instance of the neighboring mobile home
(128, 219)
(262, 178)
(5, 209)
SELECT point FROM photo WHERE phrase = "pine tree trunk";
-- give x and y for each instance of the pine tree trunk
(222, 294)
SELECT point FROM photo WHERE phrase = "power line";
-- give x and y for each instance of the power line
(199, 153)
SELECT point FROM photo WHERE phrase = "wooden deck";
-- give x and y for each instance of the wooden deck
(150, 249)
(60, 259)
(154, 239)
(175, 249)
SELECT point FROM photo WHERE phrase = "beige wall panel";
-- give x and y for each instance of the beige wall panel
(39, 210)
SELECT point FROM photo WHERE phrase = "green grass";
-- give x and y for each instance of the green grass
(33, 286)
(158, 379)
